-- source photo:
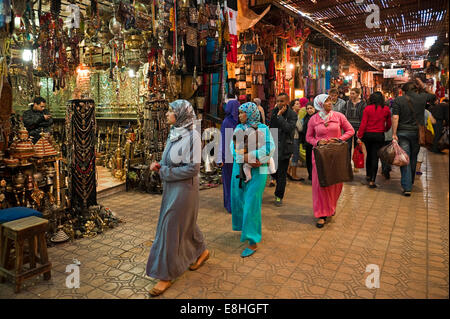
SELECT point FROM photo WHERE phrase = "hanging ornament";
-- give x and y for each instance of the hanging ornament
(55, 8)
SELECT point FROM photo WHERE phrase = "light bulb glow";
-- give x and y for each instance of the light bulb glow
(131, 73)
(17, 22)
(323, 67)
(296, 49)
(291, 66)
(429, 41)
(27, 55)
(328, 68)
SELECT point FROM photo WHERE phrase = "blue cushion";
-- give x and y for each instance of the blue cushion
(10, 214)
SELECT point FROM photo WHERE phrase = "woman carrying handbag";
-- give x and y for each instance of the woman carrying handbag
(375, 122)
(323, 128)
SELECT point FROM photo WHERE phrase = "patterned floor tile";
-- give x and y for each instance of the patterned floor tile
(406, 237)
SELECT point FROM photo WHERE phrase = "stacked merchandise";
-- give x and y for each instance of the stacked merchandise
(155, 130)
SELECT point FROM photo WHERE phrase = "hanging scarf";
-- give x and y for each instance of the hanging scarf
(253, 116)
(185, 118)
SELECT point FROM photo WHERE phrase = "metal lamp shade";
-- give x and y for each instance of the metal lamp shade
(385, 45)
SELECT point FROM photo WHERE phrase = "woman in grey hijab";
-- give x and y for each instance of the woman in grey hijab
(178, 243)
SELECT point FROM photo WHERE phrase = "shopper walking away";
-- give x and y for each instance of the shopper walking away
(423, 150)
(178, 243)
(283, 119)
(375, 122)
(229, 123)
(323, 128)
(246, 198)
(408, 110)
(308, 147)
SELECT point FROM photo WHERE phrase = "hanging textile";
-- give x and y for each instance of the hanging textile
(327, 80)
(232, 14)
(247, 18)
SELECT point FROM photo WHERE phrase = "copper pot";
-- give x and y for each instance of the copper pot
(19, 178)
(38, 177)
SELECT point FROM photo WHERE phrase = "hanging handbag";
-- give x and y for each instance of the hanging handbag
(358, 157)
(333, 164)
(422, 141)
(193, 15)
(191, 36)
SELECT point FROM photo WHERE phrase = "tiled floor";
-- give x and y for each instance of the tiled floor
(105, 180)
(406, 237)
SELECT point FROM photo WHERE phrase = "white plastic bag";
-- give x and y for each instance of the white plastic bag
(401, 158)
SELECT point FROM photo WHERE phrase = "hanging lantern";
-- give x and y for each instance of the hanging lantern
(385, 45)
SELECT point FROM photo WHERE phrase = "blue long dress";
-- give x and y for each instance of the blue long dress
(230, 122)
(179, 241)
(246, 201)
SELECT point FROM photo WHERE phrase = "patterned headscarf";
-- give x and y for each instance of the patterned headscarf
(253, 116)
(185, 118)
(319, 100)
(184, 113)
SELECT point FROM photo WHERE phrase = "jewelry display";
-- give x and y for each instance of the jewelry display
(81, 156)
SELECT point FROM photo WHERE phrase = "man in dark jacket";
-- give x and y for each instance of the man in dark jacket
(284, 119)
(37, 119)
(407, 112)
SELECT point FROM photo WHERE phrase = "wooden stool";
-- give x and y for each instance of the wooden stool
(31, 229)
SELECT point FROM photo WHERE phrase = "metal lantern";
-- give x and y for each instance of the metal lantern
(385, 45)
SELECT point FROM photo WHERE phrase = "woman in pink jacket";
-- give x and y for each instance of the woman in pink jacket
(323, 128)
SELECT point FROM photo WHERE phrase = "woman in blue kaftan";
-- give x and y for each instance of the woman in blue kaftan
(246, 197)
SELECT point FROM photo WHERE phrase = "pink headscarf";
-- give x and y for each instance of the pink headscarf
(303, 101)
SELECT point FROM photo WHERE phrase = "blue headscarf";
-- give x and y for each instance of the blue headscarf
(253, 116)
(232, 111)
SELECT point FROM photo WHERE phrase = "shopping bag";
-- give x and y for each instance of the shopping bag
(358, 157)
(443, 142)
(401, 158)
(387, 154)
(333, 164)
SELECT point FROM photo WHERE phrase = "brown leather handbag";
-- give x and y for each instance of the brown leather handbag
(333, 164)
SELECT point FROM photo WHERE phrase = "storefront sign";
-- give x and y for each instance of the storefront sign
(393, 73)
(417, 64)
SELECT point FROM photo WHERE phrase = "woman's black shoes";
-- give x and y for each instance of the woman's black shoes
(372, 186)
(320, 225)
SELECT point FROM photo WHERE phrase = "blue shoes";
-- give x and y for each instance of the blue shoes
(247, 252)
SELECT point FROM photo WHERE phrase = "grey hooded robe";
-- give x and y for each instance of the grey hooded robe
(179, 241)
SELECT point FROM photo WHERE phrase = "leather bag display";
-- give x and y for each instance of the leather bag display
(333, 164)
